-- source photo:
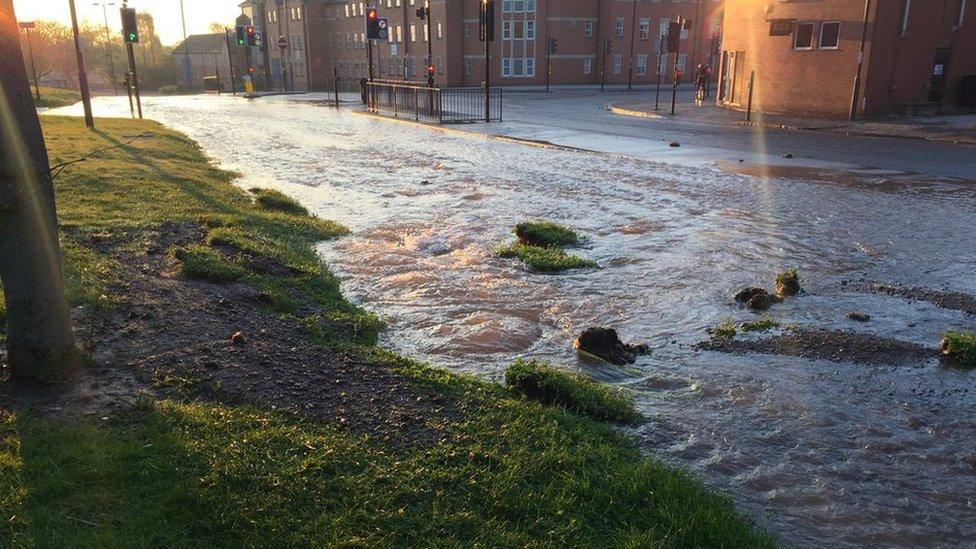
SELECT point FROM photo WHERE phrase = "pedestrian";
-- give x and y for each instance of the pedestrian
(701, 82)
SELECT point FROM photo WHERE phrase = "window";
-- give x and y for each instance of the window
(467, 67)
(588, 29)
(399, 34)
(519, 30)
(507, 66)
(641, 65)
(619, 28)
(529, 66)
(518, 66)
(506, 30)
(440, 30)
(467, 32)
(426, 33)
(413, 32)
(530, 30)
(682, 63)
(803, 39)
(618, 62)
(507, 6)
(644, 29)
(587, 66)
(829, 35)
(530, 6)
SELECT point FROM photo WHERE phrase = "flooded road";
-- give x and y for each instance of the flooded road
(822, 453)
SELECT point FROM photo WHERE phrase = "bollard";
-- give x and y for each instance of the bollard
(752, 85)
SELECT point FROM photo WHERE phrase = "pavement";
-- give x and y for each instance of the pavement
(960, 129)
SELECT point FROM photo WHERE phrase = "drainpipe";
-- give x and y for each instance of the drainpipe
(860, 61)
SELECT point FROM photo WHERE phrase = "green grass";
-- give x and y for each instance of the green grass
(203, 263)
(55, 97)
(960, 348)
(546, 260)
(509, 471)
(764, 323)
(275, 201)
(538, 381)
(546, 234)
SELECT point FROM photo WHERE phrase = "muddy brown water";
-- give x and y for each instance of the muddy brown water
(822, 453)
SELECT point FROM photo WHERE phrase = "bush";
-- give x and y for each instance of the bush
(788, 283)
(546, 234)
(203, 263)
(538, 381)
(959, 348)
(279, 202)
(169, 89)
(547, 260)
(725, 330)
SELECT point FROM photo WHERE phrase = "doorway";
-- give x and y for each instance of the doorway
(940, 74)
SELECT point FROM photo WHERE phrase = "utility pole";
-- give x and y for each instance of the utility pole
(633, 37)
(40, 342)
(676, 27)
(488, 35)
(607, 48)
(82, 75)
(548, 61)
(27, 26)
(860, 61)
(430, 46)
(108, 45)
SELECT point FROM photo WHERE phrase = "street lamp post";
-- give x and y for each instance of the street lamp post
(82, 75)
(860, 61)
(108, 44)
(186, 49)
(27, 26)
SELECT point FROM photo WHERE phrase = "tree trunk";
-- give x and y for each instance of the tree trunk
(40, 343)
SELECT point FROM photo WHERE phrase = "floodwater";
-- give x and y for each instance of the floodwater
(823, 454)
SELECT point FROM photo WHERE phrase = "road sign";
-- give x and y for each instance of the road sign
(283, 43)
(26, 24)
(393, 50)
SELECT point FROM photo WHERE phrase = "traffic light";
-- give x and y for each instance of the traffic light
(376, 28)
(674, 36)
(553, 46)
(486, 20)
(130, 27)
(241, 36)
(422, 13)
(253, 39)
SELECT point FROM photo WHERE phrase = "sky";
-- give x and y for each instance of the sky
(199, 14)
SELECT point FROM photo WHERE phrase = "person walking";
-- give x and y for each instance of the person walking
(701, 83)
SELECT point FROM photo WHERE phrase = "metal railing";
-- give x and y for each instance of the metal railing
(344, 90)
(440, 105)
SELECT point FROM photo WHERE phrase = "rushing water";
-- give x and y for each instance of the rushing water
(824, 454)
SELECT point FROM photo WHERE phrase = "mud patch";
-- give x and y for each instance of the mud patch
(844, 347)
(956, 301)
(170, 337)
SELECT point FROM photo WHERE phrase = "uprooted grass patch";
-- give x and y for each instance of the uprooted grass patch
(959, 348)
(763, 324)
(546, 260)
(545, 234)
(538, 381)
(273, 200)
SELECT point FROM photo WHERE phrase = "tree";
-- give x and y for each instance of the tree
(40, 343)
(217, 28)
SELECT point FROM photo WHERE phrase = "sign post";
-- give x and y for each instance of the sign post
(27, 26)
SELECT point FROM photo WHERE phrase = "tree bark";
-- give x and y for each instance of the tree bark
(40, 342)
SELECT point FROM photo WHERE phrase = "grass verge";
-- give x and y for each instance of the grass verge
(56, 97)
(279, 202)
(538, 381)
(511, 472)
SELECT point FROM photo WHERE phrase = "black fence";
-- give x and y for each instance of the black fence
(440, 105)
(345, 90)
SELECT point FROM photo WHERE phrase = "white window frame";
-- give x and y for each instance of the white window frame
(587, 66)
(644, 29)
(641, 65)
(820, 43)
(507, 67)
(618, 28)
(530, 29)
(528, 65)
(587, 29)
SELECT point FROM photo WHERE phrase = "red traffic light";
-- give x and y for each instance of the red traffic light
(250, 30)
(372, 13)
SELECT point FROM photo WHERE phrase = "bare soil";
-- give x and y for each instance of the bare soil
(175, 338)
(846, 347)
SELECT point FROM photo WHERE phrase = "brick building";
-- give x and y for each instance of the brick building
(274, 67)
(805, 55)
(582, 29)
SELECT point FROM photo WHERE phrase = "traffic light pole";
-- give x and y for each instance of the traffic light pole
(548, 62)
(660, 71)
(677, 53)
(487, 69)
(30, 49)
(430, 46)
(230, 63)
(369, 54)
(134, 78)
(82, 75)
